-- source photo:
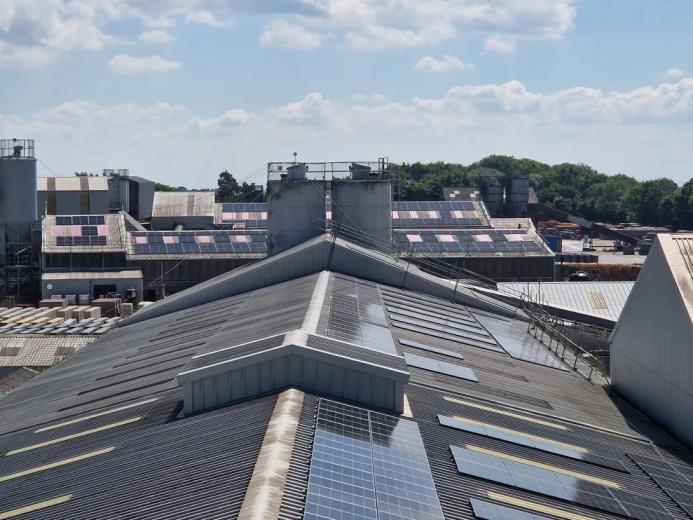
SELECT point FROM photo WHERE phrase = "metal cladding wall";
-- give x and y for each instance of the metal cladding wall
(91, 202)
(141, 197)
(86, 286)
(362, 210)
(295, 213)
(652, 344)
(18, 192)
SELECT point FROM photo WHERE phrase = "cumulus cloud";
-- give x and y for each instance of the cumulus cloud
(500, 43)
(312, 109)
(446, 64)
(228, 120)
(156, 36)
(674, 73)
(126, 64)
(36, 32)
(205, 17)
(283, 34)
(165, 141)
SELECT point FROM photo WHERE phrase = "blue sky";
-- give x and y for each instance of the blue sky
(178, 90)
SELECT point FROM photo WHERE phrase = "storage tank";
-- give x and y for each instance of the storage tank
(362, 211)
(519, 196)
(17, 188)
(493, 198)
(295, 212)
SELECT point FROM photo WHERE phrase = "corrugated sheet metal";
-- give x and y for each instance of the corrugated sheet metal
(92, 275)
(73, 183)
(603, 299)
(183, 204)
(116, 240)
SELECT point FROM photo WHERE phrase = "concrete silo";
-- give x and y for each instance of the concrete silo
(17, 213)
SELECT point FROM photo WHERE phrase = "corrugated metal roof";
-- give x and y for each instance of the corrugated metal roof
(73, 183)
(105, 426)
(512, 223)
(603, 299)
(183, 204)
(92, 275)
(116, 238)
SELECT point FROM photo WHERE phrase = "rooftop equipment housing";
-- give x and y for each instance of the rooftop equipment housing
(362, 209)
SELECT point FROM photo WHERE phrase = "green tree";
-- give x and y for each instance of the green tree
(229, 190)
(165, 187)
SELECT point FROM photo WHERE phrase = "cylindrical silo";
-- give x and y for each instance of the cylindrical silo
(17, 187)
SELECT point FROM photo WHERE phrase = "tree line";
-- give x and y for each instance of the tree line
(576, 188)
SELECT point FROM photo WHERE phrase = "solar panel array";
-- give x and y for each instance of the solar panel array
(466, 241)
(525, 439)
(200, 242)
(356, 315)
(368, 465)
(80, 220)
(441, 367)
(674, 479)
(540, 478)
(80, 230)
(489, 511)
(249, 214)
(429, 348)
(440, 321)
(438, 214)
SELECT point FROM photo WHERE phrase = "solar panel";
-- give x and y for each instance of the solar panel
(450, 329)
(416, 318)
(249, 214)
(438, 214)
(552, 481)
(80, 220)
(199, 242)
(441, 367)
(357, 315)
(529, 440)
(368, 465)
(421, 346)
(675, 480)
(490, 511)
(466, 241)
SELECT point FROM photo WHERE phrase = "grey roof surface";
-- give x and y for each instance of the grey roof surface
(116, 240)
(73, 183)
(104, 430)
(183, 204)
(603, 299)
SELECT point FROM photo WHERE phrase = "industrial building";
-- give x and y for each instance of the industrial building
(330, 381)
(83, 194)
(652, 344)
(190, 238)
(184, 209)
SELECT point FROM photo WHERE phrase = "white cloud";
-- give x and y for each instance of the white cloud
(228, 120)
(36, 32)
(446, 64)
(126, 64)
(674, 73)
(167, 142)
(156, 36)
(369, 98)
(283, 34)
(204, 17)
(312, 109)
(500, 43)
